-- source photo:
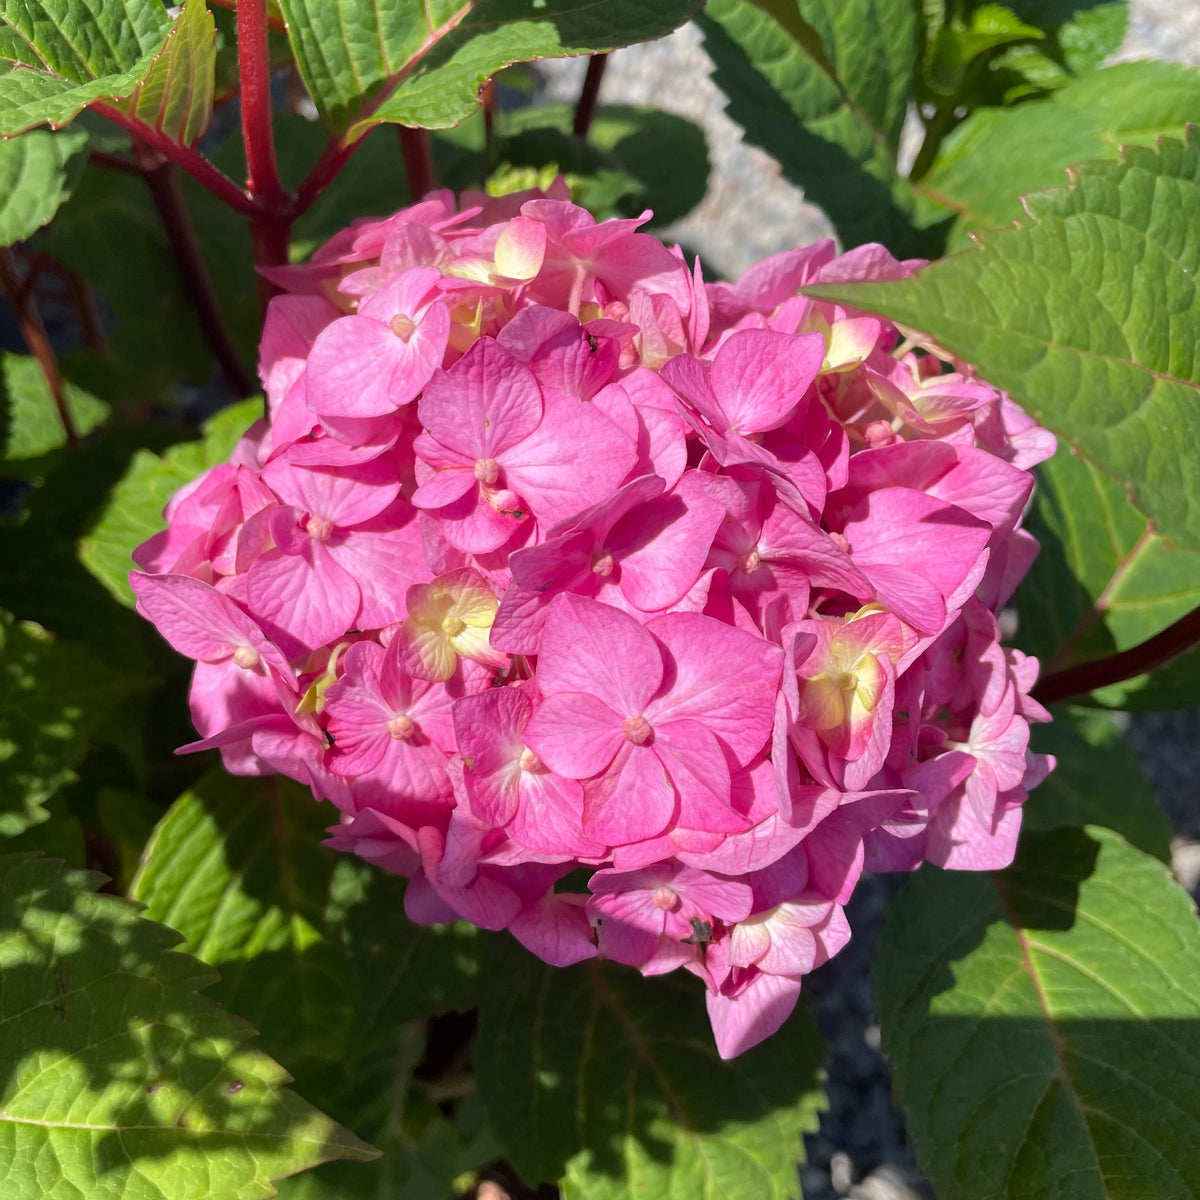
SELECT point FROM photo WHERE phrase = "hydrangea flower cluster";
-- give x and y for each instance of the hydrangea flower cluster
(553, 557)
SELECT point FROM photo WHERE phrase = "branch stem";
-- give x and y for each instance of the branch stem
(1159, 650)
(164, 187)
(254, 71)
(190, 160)
(418, 161)
(589, 95)
(38, 341)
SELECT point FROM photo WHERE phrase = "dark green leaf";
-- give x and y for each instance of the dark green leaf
(422, 62)
(54, 698)
(1044, 1023)
(116, 1076)
(70, 55)
(661, 158)
(315, 949)
(35, 179)
(824, 85)
(238, 869)
(612, 1082)
(61, 837)
(1098, 781)
(1086, 315)
(1084, 32)
(1104, 581)
(960, 41)
(1170, 687)
(111, 234)
(133, 509)
(32, 427)
(998, 155)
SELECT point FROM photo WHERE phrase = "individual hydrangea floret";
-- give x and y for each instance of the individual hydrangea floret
(633, 614)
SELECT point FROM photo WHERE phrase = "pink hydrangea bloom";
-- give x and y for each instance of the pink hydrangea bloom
(554, 558)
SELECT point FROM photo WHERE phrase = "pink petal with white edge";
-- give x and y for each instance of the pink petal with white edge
(759, 1010)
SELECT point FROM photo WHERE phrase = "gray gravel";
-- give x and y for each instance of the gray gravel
(861, 1150)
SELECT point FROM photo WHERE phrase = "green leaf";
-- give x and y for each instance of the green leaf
(35, 179)
(422, 62)
(1044, 1023)
(998, 155)
(1098, 781)
(32, 427)
(116, 1076)
(1104, 580)
(176, 96)
(133, 509)
(612, 1082)
(314, 948)
(1083, 34)
(662, 158)
(237, 868)
(958, 43)
(61, 837)
(1170, 687)
(66, 56)
(55, 697)
(1086, 316)
(111, 235)
(824, 85)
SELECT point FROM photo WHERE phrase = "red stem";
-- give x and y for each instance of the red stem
(36, 338)
(168, 199)
(192, 161)
(254, 71)
(589, 94)
(338, 153)
(275, 23)
(1159, 650)
(418, 161)
(83, 300)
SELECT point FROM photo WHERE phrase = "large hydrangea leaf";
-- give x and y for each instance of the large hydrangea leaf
(999, 154)
(54, 697)
(35, 180)
(1086, 314)
(823, 85)
(116, 1076)
(1105, 580)
(314, 948)
(1044, 1023)
(422, 62)
(1098, 780)
(612, 1083)
(30, 426)
(66, 56)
